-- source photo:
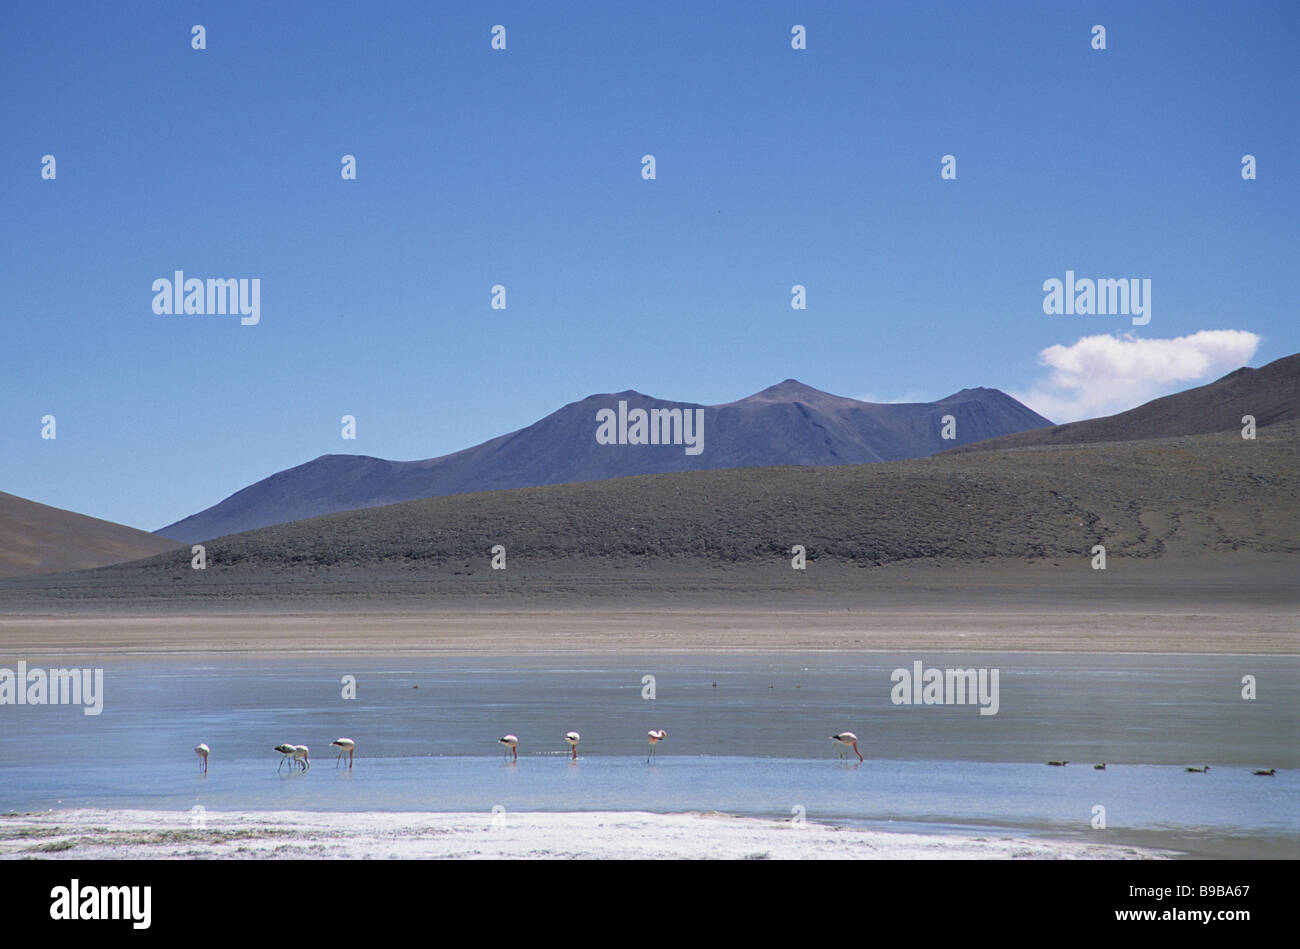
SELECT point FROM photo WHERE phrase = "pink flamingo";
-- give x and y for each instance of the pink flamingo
(654, 736)
(345, 746)
(847, 740)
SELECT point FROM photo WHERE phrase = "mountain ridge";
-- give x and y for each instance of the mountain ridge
(1270, 393)
(787, 423)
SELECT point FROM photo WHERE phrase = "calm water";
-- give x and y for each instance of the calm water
(747, 735)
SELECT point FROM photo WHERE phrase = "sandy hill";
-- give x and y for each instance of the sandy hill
(36, 538)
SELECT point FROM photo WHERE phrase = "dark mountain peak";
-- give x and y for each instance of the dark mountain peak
(788, 390)
(333, 460)
(977, 392)
(792, 385)
(1238, 373)
(792, 390)
(627, 395)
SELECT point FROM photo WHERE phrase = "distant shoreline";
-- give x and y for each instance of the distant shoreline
(627, 632)
(1227, 604)
(1242, 605)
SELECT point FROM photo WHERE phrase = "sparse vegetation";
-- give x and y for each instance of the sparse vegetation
(1167, 498)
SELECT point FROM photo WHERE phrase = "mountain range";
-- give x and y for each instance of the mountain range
(1194, 522)
(786, 424)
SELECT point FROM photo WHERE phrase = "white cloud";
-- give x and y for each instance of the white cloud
(1102, 375)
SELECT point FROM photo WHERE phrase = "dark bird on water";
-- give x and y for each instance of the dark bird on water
(1268, 774)
(1099, 767)
(1058, 764)
(1198, 770)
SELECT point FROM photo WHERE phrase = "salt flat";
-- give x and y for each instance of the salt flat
(131, 834)
(487, 632)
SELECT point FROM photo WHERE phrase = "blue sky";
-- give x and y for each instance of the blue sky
(522, 167)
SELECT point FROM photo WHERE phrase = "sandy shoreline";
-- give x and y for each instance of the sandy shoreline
(136, 834)
(1236, 605)
(635, 631)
